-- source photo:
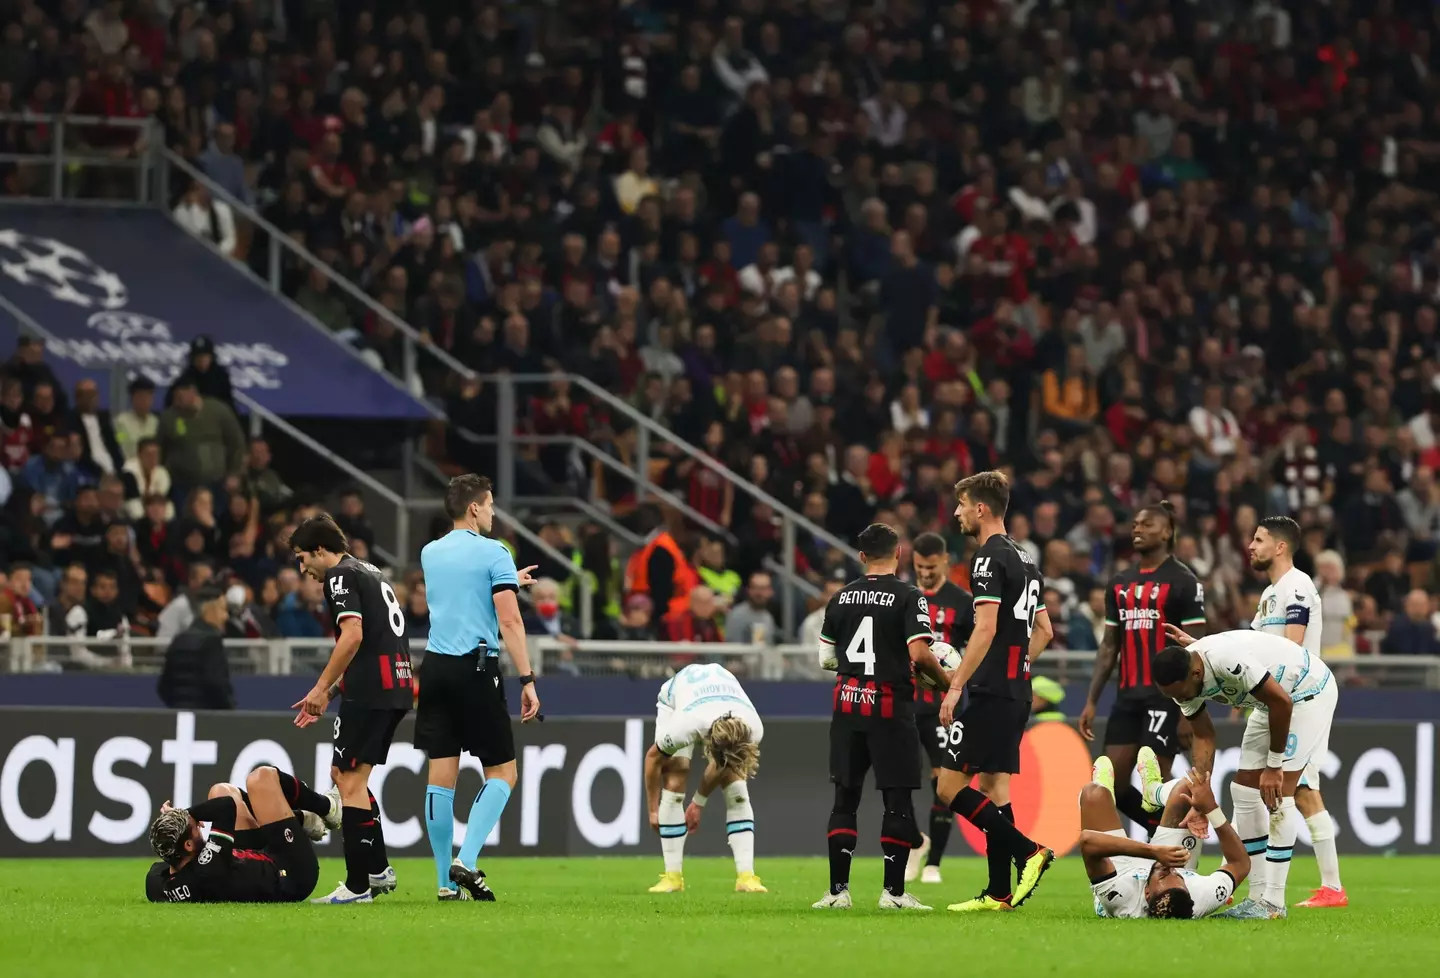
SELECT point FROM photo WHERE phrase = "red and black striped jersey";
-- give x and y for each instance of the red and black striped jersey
(952, 619)
(871, 622)
(1004, 575)
(1139, 603)
(379, 675)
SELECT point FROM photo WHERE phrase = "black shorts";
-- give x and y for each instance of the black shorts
(1152, 722)
(462, 708)
(985, 737)
(932, 736)
(363, 735)
(891, 746)
(289, 847)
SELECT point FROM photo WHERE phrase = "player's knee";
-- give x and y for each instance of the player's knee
(847, 800)
(504, 772)
(1094, 794)
(260, 778)
(223, 790)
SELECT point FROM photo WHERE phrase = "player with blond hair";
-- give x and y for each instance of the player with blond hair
(703, 704)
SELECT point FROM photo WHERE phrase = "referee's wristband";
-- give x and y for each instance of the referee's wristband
(1215, 817)
(1275, 758)
(699, 800)
(527, 680)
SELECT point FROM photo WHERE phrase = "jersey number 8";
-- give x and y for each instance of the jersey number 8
(397, 616)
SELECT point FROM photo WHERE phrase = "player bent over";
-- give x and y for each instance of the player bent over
(266, 857)
(703, 704)
(1149, 879)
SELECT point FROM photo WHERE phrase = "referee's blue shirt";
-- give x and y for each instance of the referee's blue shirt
(463, 570)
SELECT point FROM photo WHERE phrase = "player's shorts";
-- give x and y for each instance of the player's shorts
(289, 847)
(1152, 722)
(985, 738)
(669, 725)
(889, 745)
(932, 736)
(462, 708)
(1309, 738)
(1122, 894)
(363, 735)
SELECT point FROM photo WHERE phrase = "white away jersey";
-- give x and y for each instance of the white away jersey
(1292, 600)
(1237, 662)
(693, 699)
(1123, 895)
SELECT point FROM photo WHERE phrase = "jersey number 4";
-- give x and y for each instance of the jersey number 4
(862, 647)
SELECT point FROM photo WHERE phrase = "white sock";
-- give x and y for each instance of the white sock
(672, 829)
(1322, 837)
(740, 826)
(1284, 827)
(1252, 824)
(1170, 836)
(1159, 793)
(1193, 863)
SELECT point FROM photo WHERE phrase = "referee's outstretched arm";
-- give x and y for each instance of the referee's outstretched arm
(512, 633)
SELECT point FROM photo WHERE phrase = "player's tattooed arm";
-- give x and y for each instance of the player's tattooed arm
(1040, 634)
(347, 643)
(1279, 706)
(1105, 660)
(1202, 746)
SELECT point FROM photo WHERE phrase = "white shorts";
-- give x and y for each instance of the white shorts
(679, 728)
(1122, 896)
(1309, 738)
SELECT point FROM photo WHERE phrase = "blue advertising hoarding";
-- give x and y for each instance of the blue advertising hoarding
(127, 288)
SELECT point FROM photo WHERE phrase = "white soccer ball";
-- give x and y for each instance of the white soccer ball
(949, 657)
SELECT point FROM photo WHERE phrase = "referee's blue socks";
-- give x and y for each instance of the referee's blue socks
(484, 815)
(440, 826)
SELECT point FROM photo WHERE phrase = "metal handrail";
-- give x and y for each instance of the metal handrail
(402, 555)
(279, 239)
(52, 118)
(587, 612)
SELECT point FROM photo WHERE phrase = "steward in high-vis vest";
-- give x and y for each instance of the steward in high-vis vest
(661, 571)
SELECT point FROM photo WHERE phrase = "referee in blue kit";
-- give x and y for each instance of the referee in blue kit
(472, 587)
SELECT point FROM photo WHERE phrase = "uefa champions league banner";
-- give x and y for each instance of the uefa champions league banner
(87, 783)
(126, 288)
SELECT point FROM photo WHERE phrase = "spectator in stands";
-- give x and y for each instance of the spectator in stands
(144, 477)
(710, 559)
(350, 517)
(1412, 632)
(1337, 631)
(19, 614)
(207, 218)
(636, 620)
(223, 165)
(752, 620)
(101, 452)
(209, 377)
(140, 421)
(698, 621)
(78, 536)
(200, 439)
(545, 616)
(104, 620)
(1419, 503)
(180, 612)
(262, 482)
(302, 612)
(53, 476)
(1069, 399)
(196, 674)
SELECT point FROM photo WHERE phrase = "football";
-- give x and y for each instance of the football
(949, 657)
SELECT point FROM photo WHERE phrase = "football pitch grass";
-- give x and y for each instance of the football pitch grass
(592, 917)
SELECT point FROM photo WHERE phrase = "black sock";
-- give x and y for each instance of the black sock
(361, 830)
(896, 855)
(841, 841)
(942, 820)
(979, 811)
(219, 812)
(1129, 803)
(998, 859)
(379, 858)
(301, 796)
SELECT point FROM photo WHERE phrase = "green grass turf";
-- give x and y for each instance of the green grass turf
(592, 917)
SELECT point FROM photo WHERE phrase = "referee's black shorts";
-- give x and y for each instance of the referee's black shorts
(462, 708)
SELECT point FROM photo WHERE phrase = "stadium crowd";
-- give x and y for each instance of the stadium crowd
(854, 252)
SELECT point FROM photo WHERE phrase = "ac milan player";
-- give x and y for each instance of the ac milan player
(1011, 628)
(876, 635)
(952, 616)
(1156, 590)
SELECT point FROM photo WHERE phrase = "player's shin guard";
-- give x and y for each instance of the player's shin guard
(672, 830)
(1284, 826)
(841, 836)
(440, 827)
(1128, 802)
(1322, 837)
(941, 821)
(980, 811)
(998, 860)
(898, 835)
(301, 796)
(360, 830)
(740, 826)
(379, 858)
(484, 816)
(1252, 824)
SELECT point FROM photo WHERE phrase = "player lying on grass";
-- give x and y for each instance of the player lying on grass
(703, 704)
(264, 857)
(1148, 879)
